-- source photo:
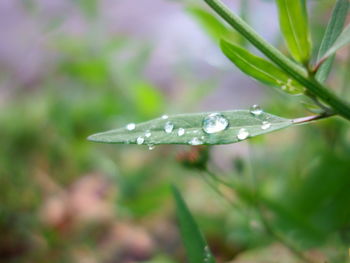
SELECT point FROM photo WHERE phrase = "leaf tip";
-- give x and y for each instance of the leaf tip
(92, 138)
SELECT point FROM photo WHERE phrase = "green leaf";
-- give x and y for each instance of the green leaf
(288, 66)
(294, 26)
(334, 28)
(260, 68)
(213, 26)
(194, 242)
(341, 41)
(193, 126)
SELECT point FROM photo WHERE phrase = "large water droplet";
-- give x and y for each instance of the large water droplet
(214, 122)
(164, 117)
(148, 134)
(181, 131)
(195, 141)
(130, 126)
(256, 110)
(140, 140)
(265, 125)
(168, 127)
(242, 134)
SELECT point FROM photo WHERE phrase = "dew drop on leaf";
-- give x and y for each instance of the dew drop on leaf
(256, 110)
(164, 117)
(181, 131)
(140, 140)
(148, 134)
(265, 125)
(195, 141)
(151, 147)
(242, 134)
(214, 122)
(168, 127)
(130, 126)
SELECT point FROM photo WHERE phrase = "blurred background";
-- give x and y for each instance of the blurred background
(71, 68)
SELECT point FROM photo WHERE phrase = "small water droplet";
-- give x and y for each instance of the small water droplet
(140, 140)
(164, 117)
(195, 141)
(256, 110)
(214, 122)
(151, 147)
(181, 131)
(265, 125)
(130, 126)
(242, 134)
(168, 127)
(148, 134)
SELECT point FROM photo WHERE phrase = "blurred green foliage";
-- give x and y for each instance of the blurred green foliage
(292, 188)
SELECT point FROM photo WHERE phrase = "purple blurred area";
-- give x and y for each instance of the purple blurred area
(176, 40)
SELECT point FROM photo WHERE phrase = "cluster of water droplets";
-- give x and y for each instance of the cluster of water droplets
(207, 254)
(257, 111)
(212, 124)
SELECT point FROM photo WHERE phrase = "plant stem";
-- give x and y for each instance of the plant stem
(279, 237)
(288, 66)
(257, 204)
(307, 119)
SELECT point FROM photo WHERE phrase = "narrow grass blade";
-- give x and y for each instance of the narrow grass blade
(333, 30)
(194, 242)
(294, 26)
(260, 69)
(341, 41)
(193, 129)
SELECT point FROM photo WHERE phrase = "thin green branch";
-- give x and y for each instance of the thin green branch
(291, 68)
(257, 204)
(271, 231)
(308, 119)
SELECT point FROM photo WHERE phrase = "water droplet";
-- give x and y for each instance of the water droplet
(256, 110)
(181, 131)
(151, 147)
(214, 122)
(140, 140)
(164, 117)
(148, 134)
(168, 127)
(195, 141)
(130, 126)
(265, 125)
(242, 134)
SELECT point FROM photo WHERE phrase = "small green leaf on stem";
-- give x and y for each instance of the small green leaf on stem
(334, 29)
(194, 242)
(210, 128)
(212, 25)
(294, 26)
(341, 41)
(294, 70)
(260, 69)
